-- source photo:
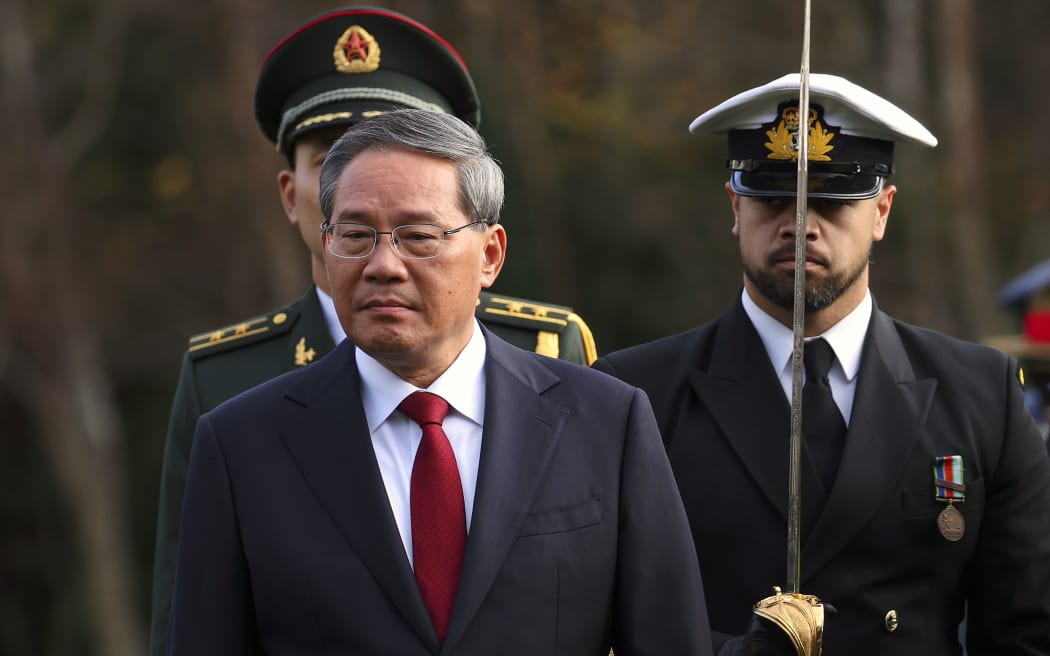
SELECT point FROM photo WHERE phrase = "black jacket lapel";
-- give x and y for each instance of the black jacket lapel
(330, 442)
(742, 392)
(889, 411)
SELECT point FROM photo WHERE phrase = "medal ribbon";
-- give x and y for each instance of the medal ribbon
(948, 478)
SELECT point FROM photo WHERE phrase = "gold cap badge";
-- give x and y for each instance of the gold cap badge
(783, 139)
(356, 51)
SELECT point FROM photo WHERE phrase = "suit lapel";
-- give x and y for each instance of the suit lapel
(889, 411)
(330, 442)
(521, 431)
(742, 392)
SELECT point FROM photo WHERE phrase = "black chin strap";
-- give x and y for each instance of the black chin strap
(834, 168)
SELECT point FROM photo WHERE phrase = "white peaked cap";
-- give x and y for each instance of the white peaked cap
(853, 108)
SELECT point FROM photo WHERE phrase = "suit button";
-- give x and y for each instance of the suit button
(890, 622)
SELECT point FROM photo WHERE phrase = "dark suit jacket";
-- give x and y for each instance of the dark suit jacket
(876, 546)
(223, 363)
(578, 538)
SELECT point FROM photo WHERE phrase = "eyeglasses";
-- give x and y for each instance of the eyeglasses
(416, 242)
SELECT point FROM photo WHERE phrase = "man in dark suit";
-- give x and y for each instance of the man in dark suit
(931, 495)
(327, 512)
(306, 97)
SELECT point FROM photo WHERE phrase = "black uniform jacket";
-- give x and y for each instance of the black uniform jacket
(874, 550)
(223, 363)
(578, 538)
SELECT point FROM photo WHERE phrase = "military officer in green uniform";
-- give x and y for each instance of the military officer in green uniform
(337, 69)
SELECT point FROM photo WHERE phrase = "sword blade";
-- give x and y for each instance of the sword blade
(794, 541)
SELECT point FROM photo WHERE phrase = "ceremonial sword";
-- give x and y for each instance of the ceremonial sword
(800, 616)
(798, 317)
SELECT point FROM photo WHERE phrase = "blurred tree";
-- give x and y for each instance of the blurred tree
(55, 368)
(914, 265)
(963, 144)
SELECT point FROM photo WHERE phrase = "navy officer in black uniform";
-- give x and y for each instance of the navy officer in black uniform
(928, 489)
(335, 70)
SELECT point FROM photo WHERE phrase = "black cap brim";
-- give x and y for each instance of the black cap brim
(831, 186)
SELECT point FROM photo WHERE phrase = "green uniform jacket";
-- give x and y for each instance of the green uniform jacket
(221, 364)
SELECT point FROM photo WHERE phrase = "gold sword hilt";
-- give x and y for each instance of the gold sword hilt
(799, 616)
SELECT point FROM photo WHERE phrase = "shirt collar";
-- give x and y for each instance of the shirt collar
(846, 337)
(331, 319)
(462, 384)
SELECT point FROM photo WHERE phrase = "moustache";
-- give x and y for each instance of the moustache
(787, 252)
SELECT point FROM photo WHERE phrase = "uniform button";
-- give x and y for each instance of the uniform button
(891, 621)
(280, 318)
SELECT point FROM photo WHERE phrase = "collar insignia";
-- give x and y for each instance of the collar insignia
(303, 355)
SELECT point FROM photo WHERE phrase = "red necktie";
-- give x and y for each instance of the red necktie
(439, 523)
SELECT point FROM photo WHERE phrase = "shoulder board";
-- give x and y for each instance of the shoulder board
(533, 315)
(522, 313)
(241, 334)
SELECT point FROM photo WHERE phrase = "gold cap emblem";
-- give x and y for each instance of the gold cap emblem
(783, 139)
(356, 51)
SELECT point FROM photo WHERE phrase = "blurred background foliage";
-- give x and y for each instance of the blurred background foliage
(140, 208)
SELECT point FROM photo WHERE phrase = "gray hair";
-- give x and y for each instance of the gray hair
(440, 135)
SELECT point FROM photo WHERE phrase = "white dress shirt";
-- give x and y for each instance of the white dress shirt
(396, 438)
(846, 339)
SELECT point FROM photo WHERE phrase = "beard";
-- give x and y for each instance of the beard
(779, 287)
